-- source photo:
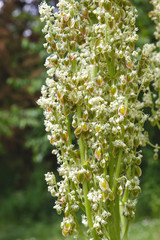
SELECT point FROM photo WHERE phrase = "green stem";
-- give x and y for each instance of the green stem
(112, 229)
(117, 216)
(112, 222)
(83, 156)
(68, 130)
(125, 236)
(112, 67)
(125, 222)
(111, 163)
(152, 145)
(117, 171)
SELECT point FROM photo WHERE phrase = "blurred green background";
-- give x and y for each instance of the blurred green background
(26, 208)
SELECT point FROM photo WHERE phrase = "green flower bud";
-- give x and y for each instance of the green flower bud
(104, 185)
(78, 131)
(88, 175)
(138, 171)
(107, 6)
(155, 156)
(84, 127)
(64, 233)
(80, 177)
(98, 153)
(111, 196)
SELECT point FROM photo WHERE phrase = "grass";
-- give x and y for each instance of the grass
(141, 230)
(145, 230)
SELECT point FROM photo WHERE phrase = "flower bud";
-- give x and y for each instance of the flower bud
(98, 153)
(122, 110)
(67, 226)
(80, 177)
(60, 200)
(111, 196)
(57, 136)
(52, 141)
(111, 23)
(59, 211)
(129, 64)
(105, 195)
(138, 171)
(123, 87)
(64, 233)
(117, 16)
(107, 6)
(103, 163)
(84, 127)
(120, 190)
(48, 38)
(99, 81)
(155, 156)
(136, 191)
(53, 192)
(78, 131)
(64, 136)
(66, 212)
(130, 77)
(86, 165)
(66, 62)
(49, 50)
(53, 45)
(97, 43)
(74, 123)
(91, 89)
(113, 90)
(120, 25)
(85, 115)
(54, 60)
(122, 13)
(103, 185)
(88, 175)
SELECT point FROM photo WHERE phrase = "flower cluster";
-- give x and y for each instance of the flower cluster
(92, 111)
(155, 62)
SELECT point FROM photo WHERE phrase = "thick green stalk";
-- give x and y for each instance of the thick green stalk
(117, 216)
(85, 185)
(117, 171)
(114, 225)
(68, 130)
(111, 223)
(111, 164)
(125, 236)
(125, 222)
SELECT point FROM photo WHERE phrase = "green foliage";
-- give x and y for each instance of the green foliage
(146, 229)
(25, 75)
(144, 23)
(33, 202)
